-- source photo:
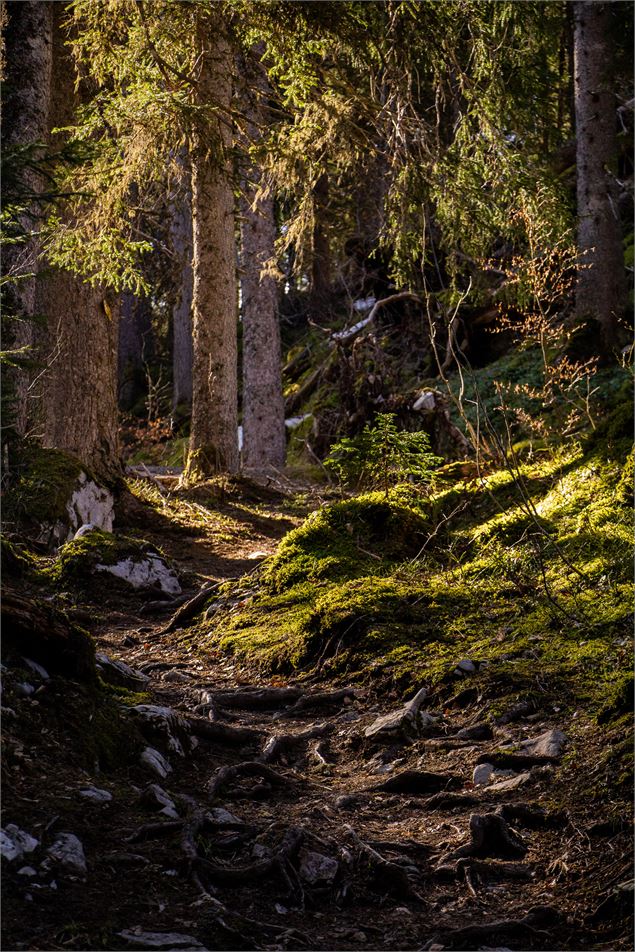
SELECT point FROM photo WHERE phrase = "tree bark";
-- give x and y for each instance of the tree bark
(29, 58)
(78, 388)
(601, 285)
(214, 430)
(136, 347)
(181, 238)
(264, 440)
(321, 265)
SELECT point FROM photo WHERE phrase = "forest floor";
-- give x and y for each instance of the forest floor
(332, 840)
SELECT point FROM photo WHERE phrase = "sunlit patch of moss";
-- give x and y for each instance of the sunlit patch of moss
(44, 480)
(76, 560)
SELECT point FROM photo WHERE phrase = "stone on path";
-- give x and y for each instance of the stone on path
(119, 673)
(156, 798)
(150, 572)
(513, 783)
(156, 762)
(549, 744)
(316, 868)
(407, 723)
(68, 852)
(160, 940)
(482, 774)
(14, 842)
(94, 793)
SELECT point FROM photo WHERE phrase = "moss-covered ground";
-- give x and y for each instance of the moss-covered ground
(526, 570)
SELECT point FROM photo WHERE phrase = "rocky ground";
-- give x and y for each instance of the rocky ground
(252, 812)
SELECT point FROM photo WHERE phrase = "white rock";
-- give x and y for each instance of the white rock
(482, 774)
(160, 940)
(37, 668)
(317, 868)
(84, 530)
(94, 793)
(14, 842)
(148, 572)
(549, 744)
(156, 762)
(425, 401)
(68, 851)
(90, 504)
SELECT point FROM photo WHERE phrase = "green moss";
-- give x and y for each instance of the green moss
(346, 539)
(16, 559)
(44, 482)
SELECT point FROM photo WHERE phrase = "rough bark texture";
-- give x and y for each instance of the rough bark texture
(213, 439)
(29, 59)
(600, 289)
(77, 390)
(136, 347)
(321, 266)
(264, 439)
(181, 238)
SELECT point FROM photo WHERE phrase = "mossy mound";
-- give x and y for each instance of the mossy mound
(530, 575)
(16, 560)
(346, 539)
(76, 561)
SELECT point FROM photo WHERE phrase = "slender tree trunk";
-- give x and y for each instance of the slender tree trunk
(601, 287)
(214, 432)
(321, 267)
(181, 237)
(78, 388)
(264, 440)
(29, 59)
(136, 348)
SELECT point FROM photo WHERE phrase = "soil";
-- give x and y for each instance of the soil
(405, 872)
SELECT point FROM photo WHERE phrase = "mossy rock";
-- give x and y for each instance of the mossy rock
(44, 482)
(77, 559)
(345, 539)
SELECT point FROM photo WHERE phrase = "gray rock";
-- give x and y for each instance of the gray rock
(67, 851)
(316, 868)
(27, 871)
(155, 762)
(220, 815)
(465, 666)
(159, 722)
(513, 783)
(119, 673)
(84, 530)
(160, 940)
(408, 723)
(549, 744)
(482, 774)
(94, 793)
(14, 842)
(23, 689)
(37, 668)
(177, 677)
(156, 798)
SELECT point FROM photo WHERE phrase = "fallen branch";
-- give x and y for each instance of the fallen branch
(190, 609)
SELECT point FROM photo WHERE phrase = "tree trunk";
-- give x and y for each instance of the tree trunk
(321, 266)
(136, 347)
(601, 286)
(78, 388)
(29, 57)
(181, 238)
(264, 440)
(214, 431)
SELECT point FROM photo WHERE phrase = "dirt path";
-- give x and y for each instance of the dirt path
(280, 823)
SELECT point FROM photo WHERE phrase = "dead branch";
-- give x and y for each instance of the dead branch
(191, 608)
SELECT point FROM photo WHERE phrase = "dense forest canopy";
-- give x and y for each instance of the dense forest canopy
(317, 353)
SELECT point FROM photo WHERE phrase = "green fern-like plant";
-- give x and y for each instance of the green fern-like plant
(382, 456)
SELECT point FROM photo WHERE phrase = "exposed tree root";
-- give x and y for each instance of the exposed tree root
(417, 782)
(491, 836)
(257, 700)
(389, 876)
(280, 744)
(223, 733)
(313, 703)
(190, 609)
(249, 768)
(530, 926)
